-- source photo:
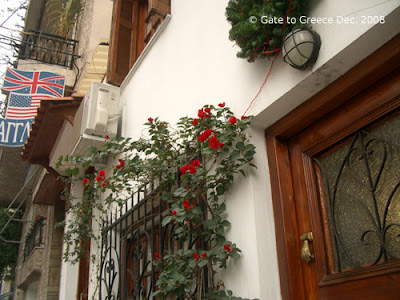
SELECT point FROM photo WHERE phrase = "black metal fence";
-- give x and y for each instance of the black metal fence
(34, 238)
(130, 239)
(49, 48)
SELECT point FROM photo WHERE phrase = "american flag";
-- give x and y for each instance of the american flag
(39, 82)
(22, 106)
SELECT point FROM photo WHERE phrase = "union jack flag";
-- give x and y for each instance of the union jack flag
(40, 82)
(22, 106)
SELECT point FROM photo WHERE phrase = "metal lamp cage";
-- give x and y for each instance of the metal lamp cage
(301, 47)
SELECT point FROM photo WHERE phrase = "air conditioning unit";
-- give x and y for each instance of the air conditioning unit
(101, 110)
(100, 118)
(97, 116)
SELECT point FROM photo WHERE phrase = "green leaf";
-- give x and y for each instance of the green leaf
(93, 151)
(220, 190)
(249, 155)
(220, 239)
(59, 162)
(220, 230)
(222, 207)
(74, 171)
(210, 223)
(225, 223)
(240, 145)
(68, 172)
(179, 230)
(196, 210)
(166, 220)
(250, 147)
(202, 263)
(234, 155)
(180, 192)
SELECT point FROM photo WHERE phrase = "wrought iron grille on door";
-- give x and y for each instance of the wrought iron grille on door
(359, 181)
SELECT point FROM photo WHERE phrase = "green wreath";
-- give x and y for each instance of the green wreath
(259, 26)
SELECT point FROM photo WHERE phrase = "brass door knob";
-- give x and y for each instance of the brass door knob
(305, 253)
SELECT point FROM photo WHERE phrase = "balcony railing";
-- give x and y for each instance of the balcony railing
(49, 48)
(35, 237)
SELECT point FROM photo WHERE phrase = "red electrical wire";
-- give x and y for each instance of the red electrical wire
(265, 81)
(278, 52)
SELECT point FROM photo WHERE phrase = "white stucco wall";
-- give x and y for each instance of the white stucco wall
(95, 28)
(193, 63)
(70, 272)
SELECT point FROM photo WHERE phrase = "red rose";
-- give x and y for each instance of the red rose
(121, 164)
(85, 181)
(195, 163)
(232, 120)
(196, 256)
(204, 113)
(185, 168)
(102, 173)
(186, 204)
(204, 136)
(221, 104)
(99, 178)
(201, 113)
(214, 143)
(107, 136)
(156, 256)
(207, 112)
(204, 255)
(174, 212)
(195, 122)
(104, 183)
(150, 120)
(227, 247)
(243, 118)
(192, 170)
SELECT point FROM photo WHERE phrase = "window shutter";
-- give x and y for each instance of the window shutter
(133, 24)
(159, 7)
(120, 41)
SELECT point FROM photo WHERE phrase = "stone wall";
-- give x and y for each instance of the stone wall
(38, 277)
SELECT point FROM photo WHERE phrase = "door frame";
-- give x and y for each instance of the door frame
(374, 67)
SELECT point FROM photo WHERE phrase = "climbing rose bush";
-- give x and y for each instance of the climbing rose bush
(203, 154)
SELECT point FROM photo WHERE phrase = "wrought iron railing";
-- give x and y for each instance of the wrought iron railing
(49, 48)
(130, 239)
(34, 238)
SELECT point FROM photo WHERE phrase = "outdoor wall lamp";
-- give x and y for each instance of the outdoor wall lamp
(301, 47)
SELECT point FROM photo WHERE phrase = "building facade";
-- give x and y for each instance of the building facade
(169, 58)
(80, 56)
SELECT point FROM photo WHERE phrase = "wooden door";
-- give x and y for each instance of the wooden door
(335, 172)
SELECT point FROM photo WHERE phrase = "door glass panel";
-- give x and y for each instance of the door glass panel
(359, 183)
